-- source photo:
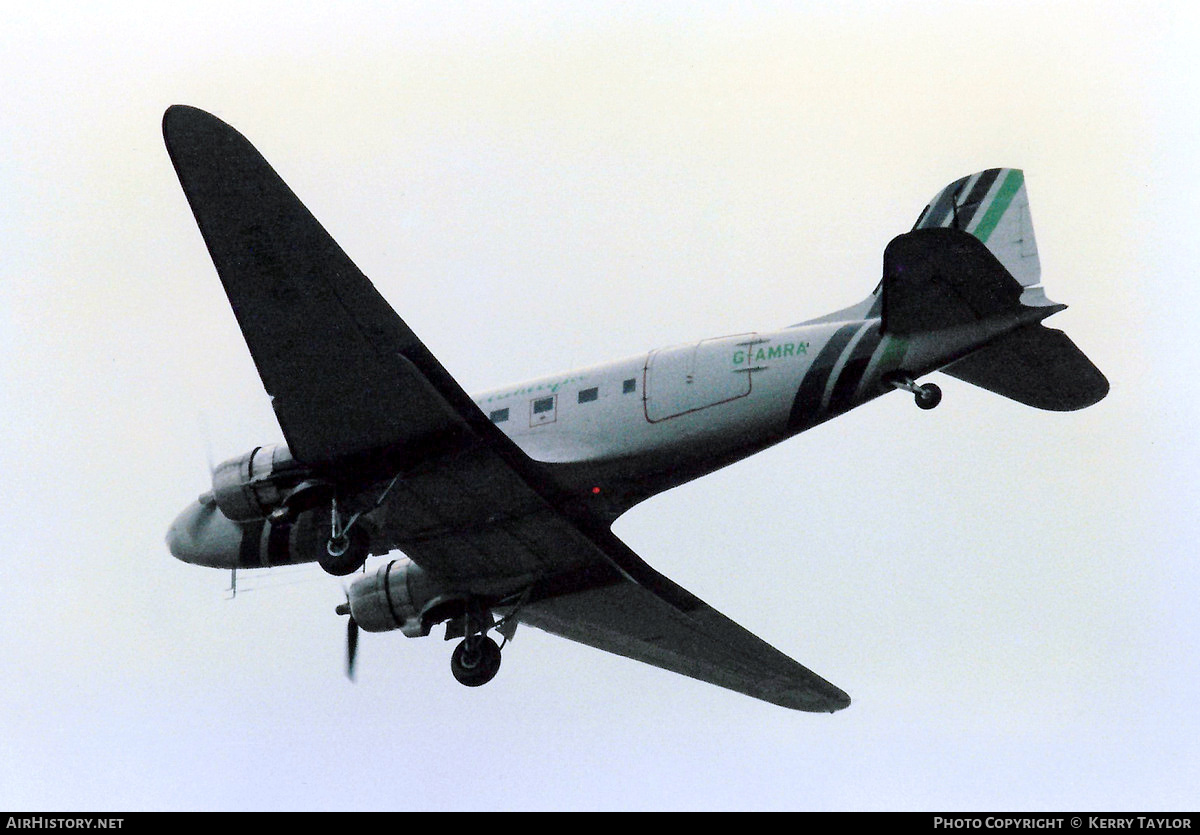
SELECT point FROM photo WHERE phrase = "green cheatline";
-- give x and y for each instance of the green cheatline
(1004, 196)
(893, 352)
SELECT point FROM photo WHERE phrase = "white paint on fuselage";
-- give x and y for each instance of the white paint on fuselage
(696, 399)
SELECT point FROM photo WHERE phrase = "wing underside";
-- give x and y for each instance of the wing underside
(585, 584)
(628, 619)
(355, 391)
(345, 374)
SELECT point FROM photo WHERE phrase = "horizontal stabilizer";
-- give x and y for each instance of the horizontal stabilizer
(1037, 366)
(990, 206)
(938, 278)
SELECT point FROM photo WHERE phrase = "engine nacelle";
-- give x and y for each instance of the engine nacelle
(204, 535)
(400, 595)
(252, 485)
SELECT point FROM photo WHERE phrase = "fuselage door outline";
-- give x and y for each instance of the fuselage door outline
(687, 378)
(543, 410)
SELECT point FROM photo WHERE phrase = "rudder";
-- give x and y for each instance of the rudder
(992, 206)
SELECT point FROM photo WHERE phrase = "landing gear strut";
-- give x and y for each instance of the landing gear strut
(476, 659)
(927, 396)
(348, 545)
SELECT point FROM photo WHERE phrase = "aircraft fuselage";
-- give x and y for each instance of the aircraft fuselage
(627, 430)
(618, 433)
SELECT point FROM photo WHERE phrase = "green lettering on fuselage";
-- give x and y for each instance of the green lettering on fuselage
(552, 387)
(772, 352)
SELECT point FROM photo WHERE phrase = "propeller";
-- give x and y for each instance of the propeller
(206, 436)
(351, 638)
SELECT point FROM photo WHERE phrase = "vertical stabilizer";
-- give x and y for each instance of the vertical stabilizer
(992, 206)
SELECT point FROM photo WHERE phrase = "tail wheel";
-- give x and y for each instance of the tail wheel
(928, 396)
(475, 661)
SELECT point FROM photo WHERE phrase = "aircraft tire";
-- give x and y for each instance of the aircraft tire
(928, 396)
(475, 660)
(346, 557)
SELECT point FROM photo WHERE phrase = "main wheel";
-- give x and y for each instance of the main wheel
(475, 661)
(347, 553)
(928, 396)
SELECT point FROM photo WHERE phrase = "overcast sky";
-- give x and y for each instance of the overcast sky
(1008, 595)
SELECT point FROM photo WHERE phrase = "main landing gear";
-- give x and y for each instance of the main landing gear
(346, 553)
(348, 545)
(927, 396)
(475, 660)
(401, 595)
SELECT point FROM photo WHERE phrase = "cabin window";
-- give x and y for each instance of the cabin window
(629, 386)
(588, 395)
(543, 404)
(499, 416)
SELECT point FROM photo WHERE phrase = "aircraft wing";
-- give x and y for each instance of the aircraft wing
(646, 617)
(345, 375)
(359, 396)
(480, 516)
(627, 619)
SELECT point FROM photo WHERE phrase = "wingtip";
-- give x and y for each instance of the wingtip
(181, 118)
(834, 702)
(174, 119)
(175, 112)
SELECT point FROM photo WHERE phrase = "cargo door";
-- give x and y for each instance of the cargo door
(687, 378)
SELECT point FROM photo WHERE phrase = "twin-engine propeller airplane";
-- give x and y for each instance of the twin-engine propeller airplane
(503, 503)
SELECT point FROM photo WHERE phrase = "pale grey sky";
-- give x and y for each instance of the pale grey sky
(1008, 595)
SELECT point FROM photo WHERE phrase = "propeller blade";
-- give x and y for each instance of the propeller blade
(206, 434)
(351, 647)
